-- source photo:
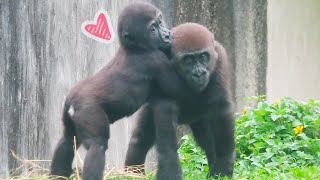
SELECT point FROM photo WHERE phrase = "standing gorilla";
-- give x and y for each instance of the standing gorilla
(202, 63)
(117, 90)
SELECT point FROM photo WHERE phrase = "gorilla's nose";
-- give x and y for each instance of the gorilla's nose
(198, 73)
(168, 35)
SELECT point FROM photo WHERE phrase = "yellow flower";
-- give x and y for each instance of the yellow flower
(277, 101)
(244, 110)
(298, 129)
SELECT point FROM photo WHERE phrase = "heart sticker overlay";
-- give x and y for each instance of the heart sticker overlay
(100, 29)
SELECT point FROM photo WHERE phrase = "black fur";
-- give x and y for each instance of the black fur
(117, 90)
(208, 110)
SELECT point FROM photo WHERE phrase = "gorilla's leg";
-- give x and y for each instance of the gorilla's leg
(165, 120)
(61, 164)
(94, 161)
(203, 135)
(225, 145)
(92, 127)
(142, 138)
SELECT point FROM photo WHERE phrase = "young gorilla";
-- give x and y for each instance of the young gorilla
(117, 90)
(202, 62)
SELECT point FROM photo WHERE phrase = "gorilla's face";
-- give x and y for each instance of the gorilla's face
(159, 35)
(141, 27)
(194, 68)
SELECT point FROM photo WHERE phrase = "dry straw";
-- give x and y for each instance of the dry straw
(36, 171)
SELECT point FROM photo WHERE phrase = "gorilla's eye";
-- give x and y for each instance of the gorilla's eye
(188, 60)
(160, 20)
(204, 57)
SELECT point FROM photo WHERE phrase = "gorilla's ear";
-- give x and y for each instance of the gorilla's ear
(215, 47)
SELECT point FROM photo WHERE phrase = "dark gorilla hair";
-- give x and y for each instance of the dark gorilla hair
(117, 90)
(133, 33)
(202, 63)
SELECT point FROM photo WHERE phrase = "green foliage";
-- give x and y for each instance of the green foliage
(279, 140)
(278, 136)
(302, 173)
(192, 159)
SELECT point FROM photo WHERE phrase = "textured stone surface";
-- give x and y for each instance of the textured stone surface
(42, 54)
(250, 49)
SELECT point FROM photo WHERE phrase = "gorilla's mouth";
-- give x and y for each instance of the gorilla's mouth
(199, 84)
(166, 47)
(166, 42)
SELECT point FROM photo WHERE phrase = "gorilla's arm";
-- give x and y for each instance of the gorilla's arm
(166, 121)
(156, 124)
(142, 139)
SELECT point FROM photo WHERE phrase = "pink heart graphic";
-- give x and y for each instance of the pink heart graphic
(100, 29)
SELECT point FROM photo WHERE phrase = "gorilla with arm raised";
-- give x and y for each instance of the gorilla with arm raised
(117, 90)
(202, 62)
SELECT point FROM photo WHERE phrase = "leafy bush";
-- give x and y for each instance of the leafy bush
(278, 136)
(192, 158)
(273, 137)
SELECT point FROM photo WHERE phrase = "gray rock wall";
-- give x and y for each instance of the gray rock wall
(250, 32)
(42, 54)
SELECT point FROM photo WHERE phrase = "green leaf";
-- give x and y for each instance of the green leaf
(270, 142)
(257, 164)
(303, 136)
(268, 155)
(296, 123)
(274, 117)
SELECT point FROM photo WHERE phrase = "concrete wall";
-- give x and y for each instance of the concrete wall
(293, 49)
